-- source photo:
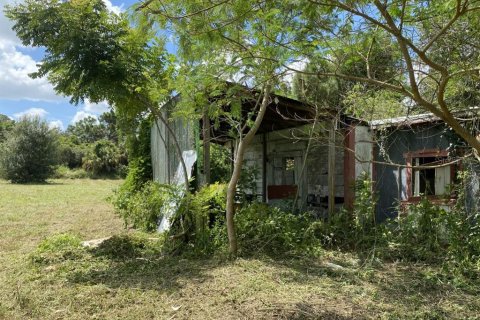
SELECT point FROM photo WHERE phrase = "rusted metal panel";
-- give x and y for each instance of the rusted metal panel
(282, 191)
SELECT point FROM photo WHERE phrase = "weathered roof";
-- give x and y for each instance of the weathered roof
(417, 119)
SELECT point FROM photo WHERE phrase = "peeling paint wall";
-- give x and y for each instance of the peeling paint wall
(363, 151)
(292, 143)
(391, 181)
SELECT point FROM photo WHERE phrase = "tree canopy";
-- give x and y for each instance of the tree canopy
(435, 65)
(29, 152)
(94, 54)
(412, 53)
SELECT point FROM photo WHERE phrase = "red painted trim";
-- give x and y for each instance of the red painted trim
(349, 167)
(409, 177)
(409, 156)
(426, 153)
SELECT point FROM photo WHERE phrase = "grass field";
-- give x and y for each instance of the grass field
(131, 280)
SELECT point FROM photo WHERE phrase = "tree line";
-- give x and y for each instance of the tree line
(31, 151)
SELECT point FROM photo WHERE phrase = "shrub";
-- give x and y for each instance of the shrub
(29, 153)
(199, 227)
(142, 209)
(64, 172)
(71, 151)
(422, 235)
(199, 221)
(266, 229)
(103, 158)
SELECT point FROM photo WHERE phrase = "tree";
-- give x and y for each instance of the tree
(29, 153)
(102, 158)
(436, 43)
(244, 36)
(109, 122)
(87, 130)
(219, 42)
(6, 124)
(97, 55)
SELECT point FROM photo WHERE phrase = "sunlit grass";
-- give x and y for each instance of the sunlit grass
(44, 274)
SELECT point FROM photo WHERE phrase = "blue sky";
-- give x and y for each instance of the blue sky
(21, 95)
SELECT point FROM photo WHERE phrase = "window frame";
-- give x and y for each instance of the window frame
(427, 153)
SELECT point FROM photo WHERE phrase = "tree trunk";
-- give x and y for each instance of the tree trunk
(237, 169)
(206, 147)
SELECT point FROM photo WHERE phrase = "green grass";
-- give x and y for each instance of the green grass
(45, 274)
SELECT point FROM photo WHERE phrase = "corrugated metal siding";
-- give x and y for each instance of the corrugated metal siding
(391, 182)
(164, 156)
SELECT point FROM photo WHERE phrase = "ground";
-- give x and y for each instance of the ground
(126, 284)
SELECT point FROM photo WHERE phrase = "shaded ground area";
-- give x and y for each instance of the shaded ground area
(127, 278)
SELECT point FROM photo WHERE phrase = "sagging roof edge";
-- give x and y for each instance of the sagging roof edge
(410, 120)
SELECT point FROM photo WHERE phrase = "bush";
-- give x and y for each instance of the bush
(29, 153)
(63, 172)
(199, 227)
(71, 152)
(142, 209)
(266, 229)
(103, 158)
(422, 235)
(199, 221)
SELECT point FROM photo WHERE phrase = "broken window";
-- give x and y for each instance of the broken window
(433, 181)
(289, 173)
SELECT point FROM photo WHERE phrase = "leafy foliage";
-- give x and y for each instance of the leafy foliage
(270, 230)
(103, 158)
(6, 124)
(29, 153)
(142, 209)
(94, 54)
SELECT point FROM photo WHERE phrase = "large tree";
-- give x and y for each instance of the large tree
(224, 41)
(436, 44)
(95, 54)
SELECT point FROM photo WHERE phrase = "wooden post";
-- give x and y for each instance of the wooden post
(206, 148)
(331, 168)
(349, 167)
(264, 168)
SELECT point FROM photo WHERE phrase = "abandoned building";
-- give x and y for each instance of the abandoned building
(418, 156)
(316, 162)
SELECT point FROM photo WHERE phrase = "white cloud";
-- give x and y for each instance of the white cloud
(56, 124)
(15, 84)
(295, 65)
(96, 107)
(110, 7)
(7, 35)
(80, 115)
(32, 112)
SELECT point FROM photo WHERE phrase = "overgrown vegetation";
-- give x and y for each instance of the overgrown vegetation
(94, 146)
(29, 152)
(45, 273)
(427, 234)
